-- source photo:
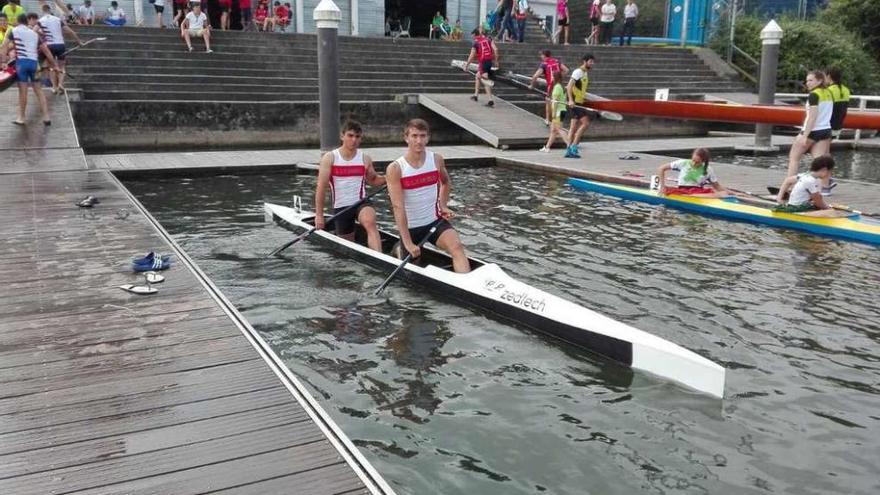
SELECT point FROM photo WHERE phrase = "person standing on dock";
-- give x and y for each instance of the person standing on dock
(549, 66)
(630, 14)
(577, 95)
(54, 29)
(840, 100)
(557, 100)
(486, 53)
(346, 171)
(609, 12)
(419, 188)
(815, 136)
(27, 46)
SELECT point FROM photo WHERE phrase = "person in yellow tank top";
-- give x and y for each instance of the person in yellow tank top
(840, 99)
(13, 9)
(815, 136)
(4, 27)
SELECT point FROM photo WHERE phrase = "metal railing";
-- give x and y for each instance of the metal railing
(862, 106)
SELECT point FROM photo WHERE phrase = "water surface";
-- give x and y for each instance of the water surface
(445, 400)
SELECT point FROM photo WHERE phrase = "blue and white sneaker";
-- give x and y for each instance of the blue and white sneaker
(831, 185)
(157, 263)
(149, 258)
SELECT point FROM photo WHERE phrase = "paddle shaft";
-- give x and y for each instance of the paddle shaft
(85, 43)
(603, 113)
(408, 257)
(313, 229)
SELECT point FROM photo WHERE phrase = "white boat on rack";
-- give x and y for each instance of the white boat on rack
(490, 289)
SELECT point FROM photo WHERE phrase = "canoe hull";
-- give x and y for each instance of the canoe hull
(719, 112)
(488, 288)
(849, 228)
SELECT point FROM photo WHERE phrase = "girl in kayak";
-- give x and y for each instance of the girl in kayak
(806, 190)
(695, 177)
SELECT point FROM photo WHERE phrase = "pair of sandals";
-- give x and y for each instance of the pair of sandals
(148, 265)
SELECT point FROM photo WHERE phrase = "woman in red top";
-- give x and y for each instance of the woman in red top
(261, 15)
(225, 9)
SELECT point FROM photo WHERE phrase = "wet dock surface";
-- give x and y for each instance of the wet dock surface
(103, 391)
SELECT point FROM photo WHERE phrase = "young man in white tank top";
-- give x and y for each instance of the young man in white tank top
(419, 187)
(346, 171)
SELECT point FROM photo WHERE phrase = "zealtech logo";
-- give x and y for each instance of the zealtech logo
(519, 298)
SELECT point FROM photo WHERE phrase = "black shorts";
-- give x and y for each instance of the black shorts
(594, 21)
(822, 135)
(578, 112)
(486, 68)
(419, 233)
(57, 50)
(159, 8)
(345, 223)
(563, 21)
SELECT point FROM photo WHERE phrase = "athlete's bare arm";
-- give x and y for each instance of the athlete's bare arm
(67, 29)
(445, 187)
(564, 69)
(569, 90)
(373, 178)
(395, 193)
(534, 78)
(785, 187)
(324, 170)
(471, 56)
(497, 54)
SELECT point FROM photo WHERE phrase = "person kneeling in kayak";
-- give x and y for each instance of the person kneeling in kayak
(806, 189)
(346, 170)
(695, 177)
(419, 187)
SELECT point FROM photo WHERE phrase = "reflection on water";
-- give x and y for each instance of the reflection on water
(445, 400)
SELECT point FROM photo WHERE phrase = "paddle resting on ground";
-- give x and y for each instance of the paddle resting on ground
(408, 257)
(313, 229)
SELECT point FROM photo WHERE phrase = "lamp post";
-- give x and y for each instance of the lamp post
(771, 36)
(327, 17)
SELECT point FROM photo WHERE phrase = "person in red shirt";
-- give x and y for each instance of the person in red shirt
(486, 53)
(244, 9)
(261, 15)
(549, 65)
(225, 9)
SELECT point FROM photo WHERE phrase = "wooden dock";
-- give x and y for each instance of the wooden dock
(105, 392)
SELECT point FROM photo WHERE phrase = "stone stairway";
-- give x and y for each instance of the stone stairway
(154, 64)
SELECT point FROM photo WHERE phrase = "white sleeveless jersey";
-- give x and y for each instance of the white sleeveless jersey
(421, 191)
(26, 42)
(347, 179)
(52, 29)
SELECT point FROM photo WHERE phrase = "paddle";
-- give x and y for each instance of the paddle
(408, 257)
(85, 43)
(603, 113)
(313, 229)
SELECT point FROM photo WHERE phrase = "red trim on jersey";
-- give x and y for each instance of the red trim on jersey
(348, 170)
(420, 180)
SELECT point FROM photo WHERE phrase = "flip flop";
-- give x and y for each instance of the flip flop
(156, 264)
(138, 289)
(153, 278)
(88, 202)
(149, 257)
(629, 156)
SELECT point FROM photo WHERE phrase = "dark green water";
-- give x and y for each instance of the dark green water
(444, 400)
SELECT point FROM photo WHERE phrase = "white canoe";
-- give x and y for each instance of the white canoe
(489, 288)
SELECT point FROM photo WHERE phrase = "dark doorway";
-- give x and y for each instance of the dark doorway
(420, 11)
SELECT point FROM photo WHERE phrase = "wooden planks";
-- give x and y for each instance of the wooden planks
(106, 392)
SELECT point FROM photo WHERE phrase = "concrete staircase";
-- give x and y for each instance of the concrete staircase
(141, 89)
(137, 64)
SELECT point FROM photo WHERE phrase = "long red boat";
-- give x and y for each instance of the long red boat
(721, 112)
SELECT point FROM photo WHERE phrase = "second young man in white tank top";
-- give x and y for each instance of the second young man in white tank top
(419, 187)
(346, 171)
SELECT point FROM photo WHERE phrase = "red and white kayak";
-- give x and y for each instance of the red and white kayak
(792, 115)
(7, 75)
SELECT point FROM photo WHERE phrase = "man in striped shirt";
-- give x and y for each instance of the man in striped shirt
(27, 46)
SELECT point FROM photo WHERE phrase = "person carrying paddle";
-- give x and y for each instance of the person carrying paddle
(695, 176)
(806, 188)
(346, 171)
(548, 66)
(419, 188)
(577, 95)
(27, 46)
(54, 29)
(558, 103)
(815, 136)
(486, 53)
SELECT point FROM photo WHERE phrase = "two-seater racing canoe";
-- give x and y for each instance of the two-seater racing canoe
(489, 288)
(851, 227)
